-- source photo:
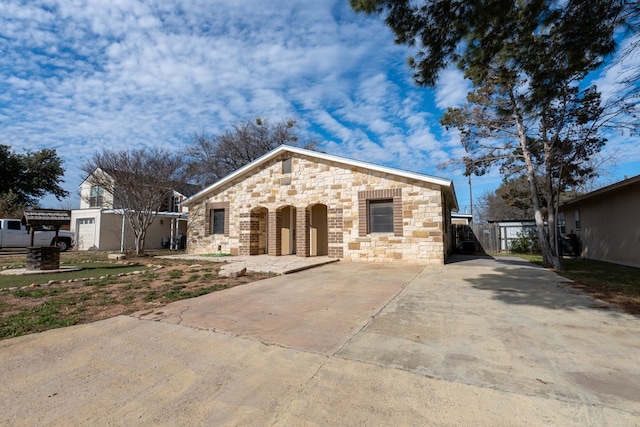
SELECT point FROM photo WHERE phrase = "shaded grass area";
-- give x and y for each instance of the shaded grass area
(96, 269)
(613, 283)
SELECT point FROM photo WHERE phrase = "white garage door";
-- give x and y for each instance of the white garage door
(86, 233)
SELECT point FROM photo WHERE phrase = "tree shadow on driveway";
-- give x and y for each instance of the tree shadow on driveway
(518, 282)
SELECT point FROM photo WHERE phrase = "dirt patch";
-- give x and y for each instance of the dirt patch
(625, 301)
(42, 307)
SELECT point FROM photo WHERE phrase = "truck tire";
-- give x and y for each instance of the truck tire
(63, 243)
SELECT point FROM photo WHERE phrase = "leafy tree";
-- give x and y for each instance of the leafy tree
(527, 112)
(28, 177)
(510, 201)
(212, 157)
(474, 33)
(139, 180)
(10, 207)
(548, 144)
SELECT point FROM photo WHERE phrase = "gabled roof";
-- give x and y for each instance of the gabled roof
(446, 184)
(603, 191)
(184, 189)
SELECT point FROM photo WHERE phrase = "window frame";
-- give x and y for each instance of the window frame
(562, 223)
(208, 223)
(217, 227)
(373, 225)
(96, 196)
(364, 196)
(175, 203)
(286, 166)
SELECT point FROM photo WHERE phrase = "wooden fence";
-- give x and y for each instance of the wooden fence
(489, 238)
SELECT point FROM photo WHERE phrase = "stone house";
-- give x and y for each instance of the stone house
(606, 222)
(296, 201)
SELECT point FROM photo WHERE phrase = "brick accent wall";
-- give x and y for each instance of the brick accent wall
(381, 194)
(303, 247)
(245, 234)
(335, 223)
(417, 209)
(275, 238)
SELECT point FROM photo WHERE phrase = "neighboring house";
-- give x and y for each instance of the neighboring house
(296, 201)
(461, 219)
(98, 226)
(607, 222)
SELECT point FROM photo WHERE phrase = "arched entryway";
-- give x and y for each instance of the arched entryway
(318, 230)
(288, 230)
(258, 234)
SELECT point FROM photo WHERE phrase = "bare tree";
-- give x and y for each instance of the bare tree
(139, 181)
(213, 157)
(509, 202)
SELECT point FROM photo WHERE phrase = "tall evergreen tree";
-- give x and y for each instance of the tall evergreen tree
(526, 59)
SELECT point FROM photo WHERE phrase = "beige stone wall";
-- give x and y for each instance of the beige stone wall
(423, 238)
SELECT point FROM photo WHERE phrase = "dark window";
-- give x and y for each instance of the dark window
(562, 226)
(95, 199)
(174, 203)
(576, 217)
(13, 225)
(286, 165)
(217, 221)
(381, 216)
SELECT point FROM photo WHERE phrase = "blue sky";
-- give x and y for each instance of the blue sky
(81, 75)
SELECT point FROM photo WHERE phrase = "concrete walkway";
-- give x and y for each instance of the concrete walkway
(317, 310)
(476, 342)
(285, 264)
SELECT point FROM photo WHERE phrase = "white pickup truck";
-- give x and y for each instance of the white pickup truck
(15, 235)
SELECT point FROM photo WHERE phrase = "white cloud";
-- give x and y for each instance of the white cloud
(83, 75)
(451, 88)
(625, 64)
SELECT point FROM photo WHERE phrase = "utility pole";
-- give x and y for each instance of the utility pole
(470, 198)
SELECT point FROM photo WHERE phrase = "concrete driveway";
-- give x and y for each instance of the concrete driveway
(482, 342)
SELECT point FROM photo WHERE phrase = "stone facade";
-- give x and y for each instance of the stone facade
(321, 207)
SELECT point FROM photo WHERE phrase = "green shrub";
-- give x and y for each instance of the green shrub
(526, 242)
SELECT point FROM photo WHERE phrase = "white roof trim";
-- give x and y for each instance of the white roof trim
(178, 215)
(328, 157)
(602, 191)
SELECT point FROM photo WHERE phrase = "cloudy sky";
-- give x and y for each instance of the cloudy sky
(82, 75)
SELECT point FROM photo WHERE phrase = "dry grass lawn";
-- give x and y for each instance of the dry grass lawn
(41, 306)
